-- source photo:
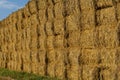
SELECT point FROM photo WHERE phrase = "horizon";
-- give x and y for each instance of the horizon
(9, 6)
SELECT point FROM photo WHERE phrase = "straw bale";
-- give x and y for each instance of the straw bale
(32, 6)
(51, 62)
(35, 67)
(107, 37)
(50, 9)
(58, 41)
(72, 23)
(27, 66)
(42, 61)
(58, 26)
(87, 39)
(26, 56)
(117, 56)
(50, 42)
(73, 66)
(118, 11)
(59, 66)
(74, 38)
(104, 3)
(89, 56)
(34, 20)
(109, 73)
(87, 14)
(26, 11)
(42, 16)
(41, 4)
(107, 56)
(89, 72)
(106, 17)
(58, 9)
(73, 72)
(48, 28)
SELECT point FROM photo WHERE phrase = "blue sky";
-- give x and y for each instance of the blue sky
(9, 6)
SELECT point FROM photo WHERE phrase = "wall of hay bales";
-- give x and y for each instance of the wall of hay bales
(69, 39)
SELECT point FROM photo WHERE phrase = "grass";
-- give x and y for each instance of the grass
(23, 75)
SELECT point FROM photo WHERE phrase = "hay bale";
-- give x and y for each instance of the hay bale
(104, 3)
(42, 16)
(49, 43)
(87, 14)
(109, 73)
(74, 38)
(59, 63)
(41, 4)
(51, 58)
(26, 11)
(58, 41)
(42, 61)
(58, 26)
(87, 39)
(72, 23)
(73, 65)
(32, 6)
(107, 56)
(118, 11)
(106, 19)
(49, 28)
(89, 72)
(107, 37)
(58, 7)
(50, 9)
(89, 57)
(27, 66)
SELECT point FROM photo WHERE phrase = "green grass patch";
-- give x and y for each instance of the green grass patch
(23, 75)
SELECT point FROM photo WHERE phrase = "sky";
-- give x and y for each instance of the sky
(9, 6)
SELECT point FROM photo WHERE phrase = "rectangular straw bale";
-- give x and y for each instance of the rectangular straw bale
(89, 72)
(26, 56)
(35, 67)
(72, 23)
(42, 16)
(118, 11)
(109, 73)
(104, 3)
(74, 38)
(19, 66)
(27, 66)
(74, 53)
(106, 17)
(49, 28)
(59, 41)
(59, 8)
(73, 65)
(26, 11)
(41, 4)
(89, 56)
(42, 63)
(117, 56)
(59, 26)
(49, 43)
(107, 37)
(34, 20)
(50, 9)
(51, 62)
(32, 6)
(108, 56)
(73, 72)
(87, 14)
(87, 39)
(60, 66)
